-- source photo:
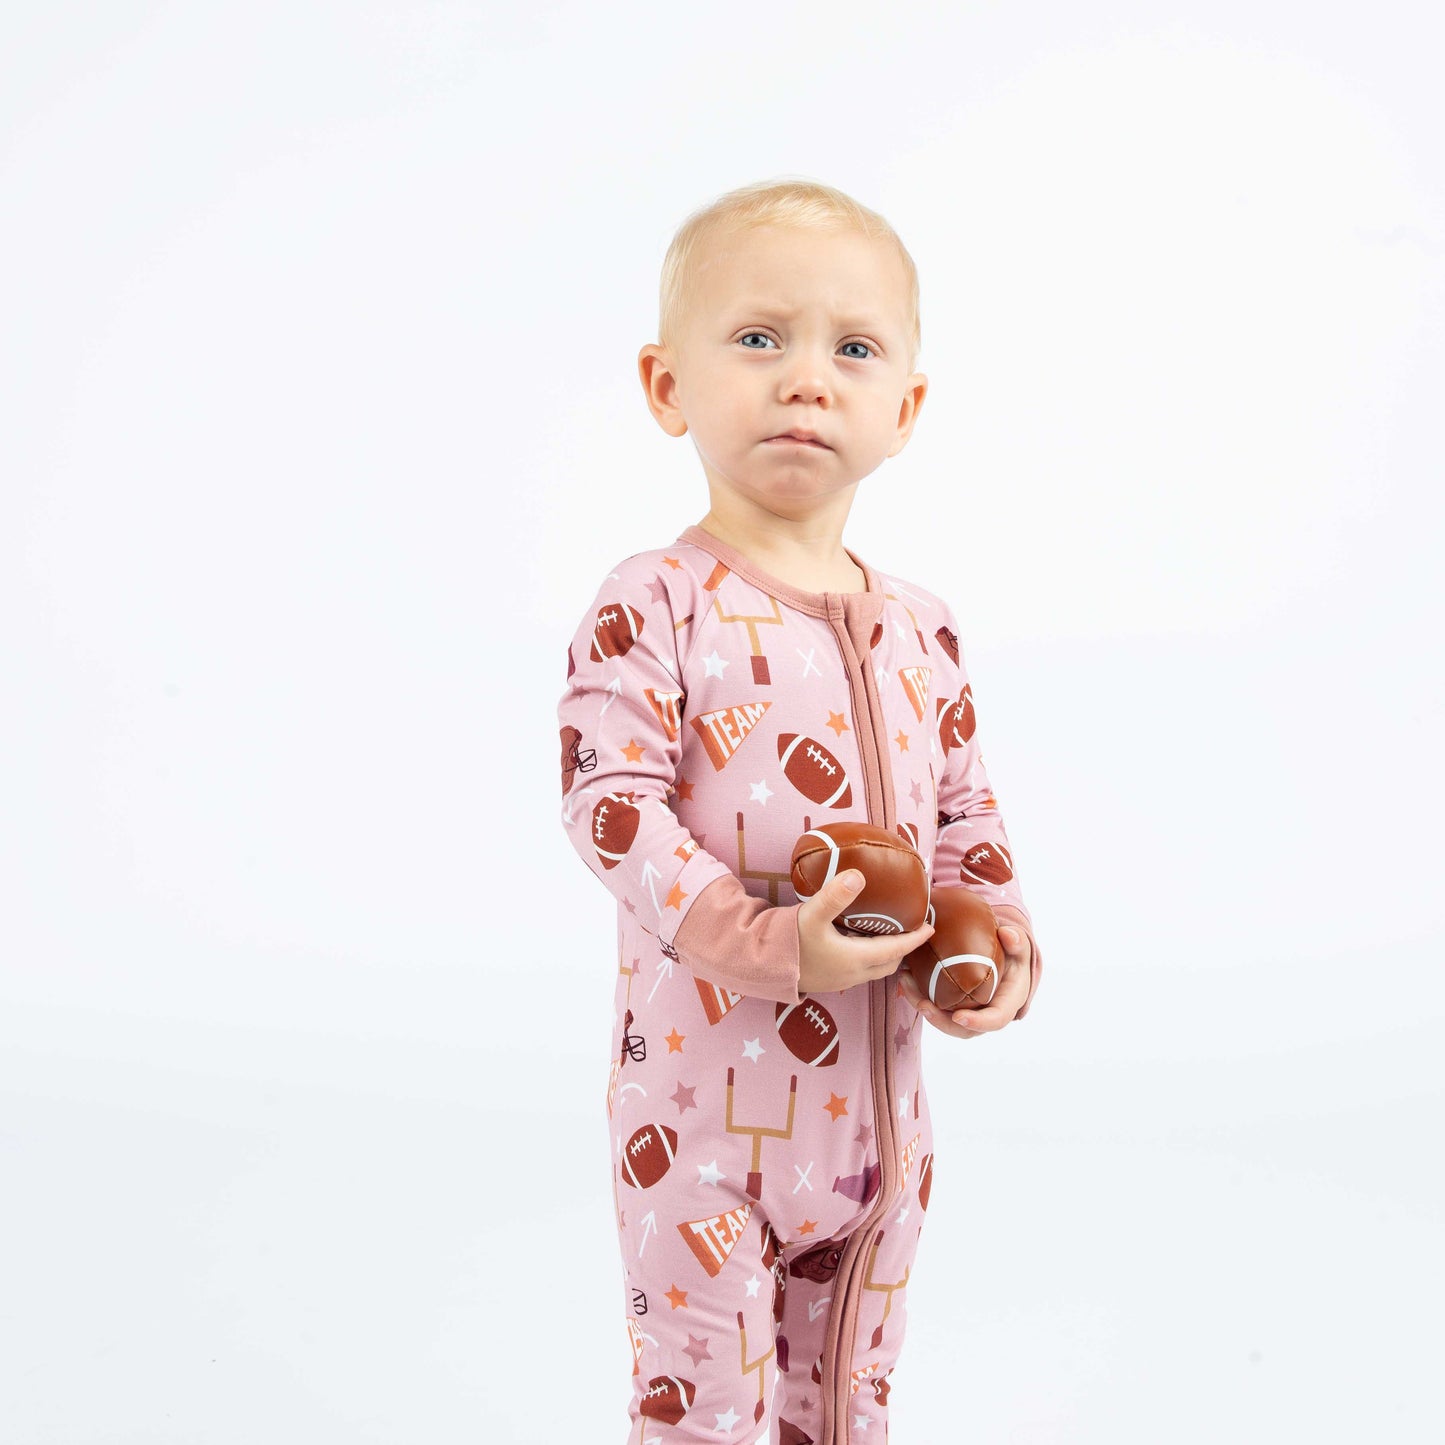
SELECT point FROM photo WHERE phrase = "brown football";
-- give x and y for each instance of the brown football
(958, 965)
(894, 897)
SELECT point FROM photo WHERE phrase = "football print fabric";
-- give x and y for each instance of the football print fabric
(772, 1151)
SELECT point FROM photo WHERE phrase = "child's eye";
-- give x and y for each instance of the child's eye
(863, 344)
(760, 337)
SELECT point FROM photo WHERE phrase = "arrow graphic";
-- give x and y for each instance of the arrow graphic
(648, 874)
(649, 1226)
(615, 688)
(664, 970)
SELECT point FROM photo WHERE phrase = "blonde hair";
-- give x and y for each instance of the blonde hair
(784, 201)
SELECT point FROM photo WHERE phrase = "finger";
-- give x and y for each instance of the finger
(839, 892)
(1015, 943)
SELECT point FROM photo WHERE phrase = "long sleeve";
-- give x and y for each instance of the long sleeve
(621, 734)
(972, 848)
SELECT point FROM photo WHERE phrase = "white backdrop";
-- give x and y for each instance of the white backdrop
(321, 426)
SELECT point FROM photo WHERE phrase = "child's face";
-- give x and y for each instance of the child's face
(790, 330)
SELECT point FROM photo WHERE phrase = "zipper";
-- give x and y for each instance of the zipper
(848, 1288)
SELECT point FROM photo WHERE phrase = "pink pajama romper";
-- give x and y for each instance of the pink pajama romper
(772, 1153)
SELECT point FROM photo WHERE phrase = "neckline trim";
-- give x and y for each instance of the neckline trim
(820, 604)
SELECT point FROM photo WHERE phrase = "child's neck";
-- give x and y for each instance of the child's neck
(811, 557)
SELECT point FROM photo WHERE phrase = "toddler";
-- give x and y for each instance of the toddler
(772, 1149)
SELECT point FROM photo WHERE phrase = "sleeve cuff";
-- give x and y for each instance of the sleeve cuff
(739, 942)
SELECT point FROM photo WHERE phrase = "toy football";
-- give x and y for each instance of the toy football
(958, 965)
(894, 897)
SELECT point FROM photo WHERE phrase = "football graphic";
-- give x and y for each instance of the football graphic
(614, 827)
(894, 896)
(619, 625)
(986, 863)
(807, 1028)
(814, 771)
(668, 1399)
(956, 720)
(649, 1155)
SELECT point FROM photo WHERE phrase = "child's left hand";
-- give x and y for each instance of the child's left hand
(1012, 994)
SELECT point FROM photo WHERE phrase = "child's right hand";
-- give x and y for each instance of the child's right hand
(829, 960)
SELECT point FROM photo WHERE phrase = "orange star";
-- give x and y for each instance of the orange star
(835, 721)
(675, 897)
(674, 1041)
(684, 789)
(807, 1227)
(836, 1106)
(633, 751)
(672, 562)
(902, 741)
(677, 1298)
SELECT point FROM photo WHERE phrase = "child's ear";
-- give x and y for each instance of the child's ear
(659, 385)
(915, 389)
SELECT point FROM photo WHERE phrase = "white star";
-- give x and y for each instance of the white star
(903, 1214)
(903, 1107)
(752, 1048)
(709, 1174)
(715, 665)
(879, 671)
(861, 1422)
(761, 792)
(902, 630)
(752, 1287)
(725, 1423)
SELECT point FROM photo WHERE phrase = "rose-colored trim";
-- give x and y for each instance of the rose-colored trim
(813, 603)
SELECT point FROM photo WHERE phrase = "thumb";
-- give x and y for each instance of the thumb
(842, 891)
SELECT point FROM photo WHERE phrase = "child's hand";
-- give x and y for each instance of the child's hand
(829, 960)
(1012, 993)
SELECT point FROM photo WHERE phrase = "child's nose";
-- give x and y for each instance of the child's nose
(807, 378)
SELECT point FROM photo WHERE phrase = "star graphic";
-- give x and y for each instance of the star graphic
(629, 905)
(677, 1298)
(726, 1422)
(807, 1227)
(916, 793)
(674, 1041)
(715, 664)
(761, 792)
(864, 1135)
(672, 562)
(675, 897)
(697, 1350)
(752, 1287)
(684, 789)
(903, 1106)
(805, 1404)
(902, 741)
(752, 1048)
(901, 1037)
(633, 751)
(902, 630)
(682, 1097)
(710, 1174)
(656, 590)
(903, 1214)
(836, 1107)
(861, 1422)
(835, 721)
